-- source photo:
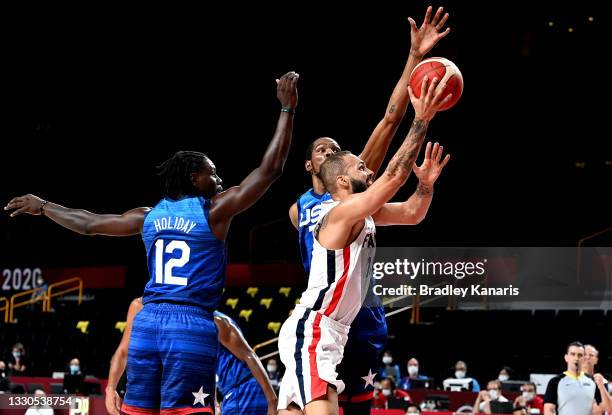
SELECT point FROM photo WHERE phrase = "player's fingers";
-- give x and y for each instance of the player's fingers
(439, 154)
(424, 86)
(14, 203)
(427, 15)
(445, 161)
(436, 18)
(443, 34)
(428, 150)
(413, 26)
(440, 25)
(18, 211)
(434, 151)
(445, 101)
(438, 92)
(431, 92)
(411, 93)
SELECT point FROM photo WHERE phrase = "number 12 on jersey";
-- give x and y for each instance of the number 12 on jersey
(163, 272)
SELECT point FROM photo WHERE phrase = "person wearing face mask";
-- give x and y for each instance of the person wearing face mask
(17, 361)
(529, 400)
(412, 367)
(484, 399)
(413, 410)
(460, 377)
(389, 370)
(74, 368)
(273, 374)
(505, 374)
(389, 397)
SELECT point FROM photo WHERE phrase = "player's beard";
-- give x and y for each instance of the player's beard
(357, 186)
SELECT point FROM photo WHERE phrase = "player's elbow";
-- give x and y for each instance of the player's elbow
(392, 119)
(88, 228)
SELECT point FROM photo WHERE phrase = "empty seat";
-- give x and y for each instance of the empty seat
(245, 314)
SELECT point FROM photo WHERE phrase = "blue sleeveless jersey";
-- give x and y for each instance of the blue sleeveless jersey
(186, 261)
(231, 371)
(309, 208)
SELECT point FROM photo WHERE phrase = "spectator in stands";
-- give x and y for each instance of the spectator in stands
(484, 399)
(4, 380)
(74, 367)
(39, 409)
(413, 374)
(413, 410)
(591, 358)
(529, 400)
(273, 374)
(389, 397)
(505, 374)
(460, 375)
(17, 361)
(389, 370)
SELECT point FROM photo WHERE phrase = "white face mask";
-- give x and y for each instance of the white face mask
(493, 394)
(528, 396)
(387, 360)
(386, 392)
(503, 378)
(271, 368)
(413, 370)
(460, 374)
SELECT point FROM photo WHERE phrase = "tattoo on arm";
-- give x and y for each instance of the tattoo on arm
(408, 152)
(424, 191)
(321, 226)
(392, 109)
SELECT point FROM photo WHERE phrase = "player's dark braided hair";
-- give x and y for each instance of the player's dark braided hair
(175, 173)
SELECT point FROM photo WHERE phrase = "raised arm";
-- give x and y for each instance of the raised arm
(233, 341)
(239, 198)
(414, 210)
(422, 40)
(606, 401)
(78, 220)
(339, 222)
(119, 360)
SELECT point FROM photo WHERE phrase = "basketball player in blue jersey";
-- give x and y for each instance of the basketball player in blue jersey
(312, 339)
(368, 334)
(173, 346)
(242, 380)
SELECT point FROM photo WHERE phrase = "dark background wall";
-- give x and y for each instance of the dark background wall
(94, 99)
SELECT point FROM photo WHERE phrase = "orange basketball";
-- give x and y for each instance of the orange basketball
(445, 71)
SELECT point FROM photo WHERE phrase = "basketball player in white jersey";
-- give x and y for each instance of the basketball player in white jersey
(311, 341)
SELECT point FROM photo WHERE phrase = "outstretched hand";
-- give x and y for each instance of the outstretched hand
(286, 89)
(430, 100)
(431, 168)
(424, 38)
(29, 204)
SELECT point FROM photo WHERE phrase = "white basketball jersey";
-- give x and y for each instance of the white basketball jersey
(339, 278)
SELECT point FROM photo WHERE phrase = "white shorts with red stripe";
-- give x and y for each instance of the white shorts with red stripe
(311, 345)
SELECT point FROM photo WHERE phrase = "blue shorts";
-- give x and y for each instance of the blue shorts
(366, 341)
(171, 363)
(245, 399)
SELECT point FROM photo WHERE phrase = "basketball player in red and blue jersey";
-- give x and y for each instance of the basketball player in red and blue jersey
(312, 339)
(173, 346)
(368, 335)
